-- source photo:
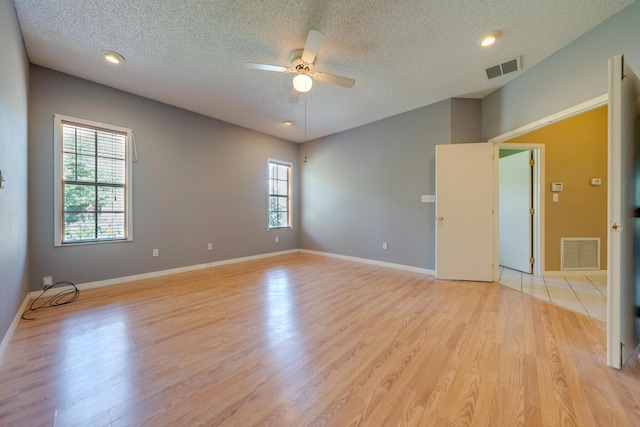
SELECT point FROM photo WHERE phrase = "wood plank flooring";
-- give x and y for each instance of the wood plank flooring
(305, 340)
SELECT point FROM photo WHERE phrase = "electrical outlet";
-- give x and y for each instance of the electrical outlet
(156, 253)
(47, 281)
(277, 239)
(209, 246)
(385, 246)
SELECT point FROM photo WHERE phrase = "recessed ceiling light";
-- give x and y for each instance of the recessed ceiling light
(287, 123)
(490, 38)
(113, 57)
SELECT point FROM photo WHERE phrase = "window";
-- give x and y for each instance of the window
(92, 182)
(279, 194)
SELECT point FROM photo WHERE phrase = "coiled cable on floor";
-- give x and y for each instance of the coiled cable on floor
(67, 292)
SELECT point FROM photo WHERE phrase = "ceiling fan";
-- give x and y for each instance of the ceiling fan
(302, 64)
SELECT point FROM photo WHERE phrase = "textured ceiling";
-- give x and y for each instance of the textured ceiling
(403, 54)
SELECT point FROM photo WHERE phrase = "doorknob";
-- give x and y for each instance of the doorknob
(616, 227)
(440, 218)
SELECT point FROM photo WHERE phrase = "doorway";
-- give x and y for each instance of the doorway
(577, 165)
(529, 207)
(516, 209)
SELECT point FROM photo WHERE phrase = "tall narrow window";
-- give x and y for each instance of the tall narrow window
(93, 192)
(279, 194)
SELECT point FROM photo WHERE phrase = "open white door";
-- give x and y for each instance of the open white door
(624, 89)
(516, 220)
(464, 211)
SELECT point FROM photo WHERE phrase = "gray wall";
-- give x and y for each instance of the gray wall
(576, 73)
(14, 76)
(198, 180)
(362, 187)
(466, 120)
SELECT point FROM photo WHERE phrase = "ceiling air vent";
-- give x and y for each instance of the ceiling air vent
(504, 68)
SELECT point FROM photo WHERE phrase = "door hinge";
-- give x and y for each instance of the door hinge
(532, 162)
(532, 211)
(492, 211)
(532, 260)
(621, 354)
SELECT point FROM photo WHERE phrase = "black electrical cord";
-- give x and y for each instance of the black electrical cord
(64, 296)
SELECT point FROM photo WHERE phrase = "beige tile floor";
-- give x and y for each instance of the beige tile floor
(583, 294)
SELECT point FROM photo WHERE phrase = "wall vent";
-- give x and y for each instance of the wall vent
(504, 68)
(581, 253)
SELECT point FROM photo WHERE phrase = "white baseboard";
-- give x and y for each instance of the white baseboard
(373, 262)
(153, 274)
(160, 273)
(575, 273)
(14, 323)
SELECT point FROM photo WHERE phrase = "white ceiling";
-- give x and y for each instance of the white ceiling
(403, 54)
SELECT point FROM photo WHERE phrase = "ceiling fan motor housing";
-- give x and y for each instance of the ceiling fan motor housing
(298, 64)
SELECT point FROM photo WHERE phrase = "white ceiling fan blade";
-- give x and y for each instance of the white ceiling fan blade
(334, 79)
(265, 67)
(295, 95)
(311, 47)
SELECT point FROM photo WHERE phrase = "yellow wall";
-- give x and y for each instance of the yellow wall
(575, 152)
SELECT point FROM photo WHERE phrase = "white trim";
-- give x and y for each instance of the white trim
(561, 115)
(373, 262)
(575, 273)
(271, 160)
(496, 212)
(120, 280)
(57, 178)
(154, 274)
(13, 325)
(160, 273)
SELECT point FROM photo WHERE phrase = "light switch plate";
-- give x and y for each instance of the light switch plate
(428, 198)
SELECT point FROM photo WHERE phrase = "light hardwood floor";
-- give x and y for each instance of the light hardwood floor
(305, 340)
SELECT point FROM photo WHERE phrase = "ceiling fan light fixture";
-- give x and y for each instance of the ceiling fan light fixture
(490, 38)
(302, 83)
(113, 57)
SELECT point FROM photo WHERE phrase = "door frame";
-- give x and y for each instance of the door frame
(583, 107)
(537, 151)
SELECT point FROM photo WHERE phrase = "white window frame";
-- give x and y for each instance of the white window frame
(289, 194)
(57, 182)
